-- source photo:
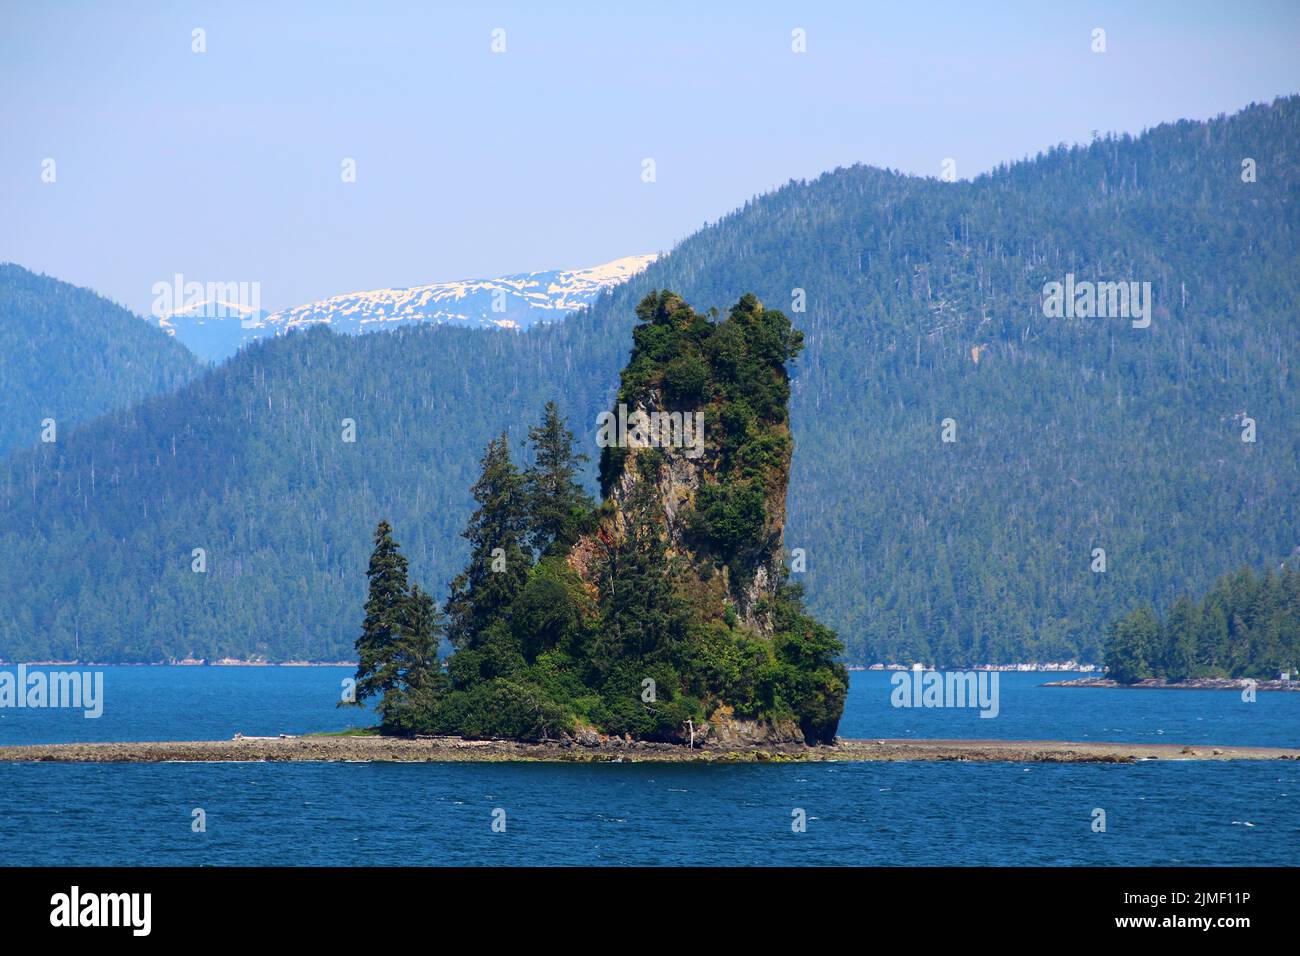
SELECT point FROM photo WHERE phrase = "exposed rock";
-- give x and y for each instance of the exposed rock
(456, 750)
(751, 575)
(726, 730)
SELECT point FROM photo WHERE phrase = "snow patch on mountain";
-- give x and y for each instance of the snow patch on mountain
(510, 302)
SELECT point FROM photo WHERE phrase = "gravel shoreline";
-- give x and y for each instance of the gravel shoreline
(458, 750)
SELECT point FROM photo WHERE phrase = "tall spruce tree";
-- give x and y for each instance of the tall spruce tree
(382, 629)
(420, 687)
(556, 502)
(1179, 639)
(499, 556)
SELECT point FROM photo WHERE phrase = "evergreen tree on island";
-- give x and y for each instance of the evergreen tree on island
(663, 613)
(499, 559)
(556, 502)
(1248, 625)
(420, 682)
(398, 647)
(382, 629)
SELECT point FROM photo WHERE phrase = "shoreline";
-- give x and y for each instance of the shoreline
(228, 662)
(1196, 683)
(1044, 668)
(329, 749)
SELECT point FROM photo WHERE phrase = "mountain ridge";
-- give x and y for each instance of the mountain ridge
(1071, 435)
(69, 354)
(215, 330)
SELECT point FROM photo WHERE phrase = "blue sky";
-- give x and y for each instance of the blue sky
(225, 165)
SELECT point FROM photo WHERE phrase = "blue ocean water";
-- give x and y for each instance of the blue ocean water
(213, 703)
(1157, 813)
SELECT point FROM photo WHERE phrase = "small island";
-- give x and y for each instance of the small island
(660, 624)
(1243, 634)
(662, 614)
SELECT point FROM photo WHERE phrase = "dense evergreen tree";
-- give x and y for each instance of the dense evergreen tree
(1246, 626)
(1177, 659)
(557, 502)
(499, 562)
(385, 626)
(1131, 644)
(421, 684)
(417, 654)
(400, 635)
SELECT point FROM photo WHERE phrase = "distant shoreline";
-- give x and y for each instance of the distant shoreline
(1049, 668)
(1198, 683)
(351, 748)
(225, 662)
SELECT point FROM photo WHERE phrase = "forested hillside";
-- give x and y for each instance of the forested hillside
(923, 303)
(68, 354)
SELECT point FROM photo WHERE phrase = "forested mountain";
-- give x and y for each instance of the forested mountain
(70, 355)
(924, 302)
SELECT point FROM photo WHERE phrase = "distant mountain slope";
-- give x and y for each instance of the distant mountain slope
(215, 330)
(70, 355)
(924, 302)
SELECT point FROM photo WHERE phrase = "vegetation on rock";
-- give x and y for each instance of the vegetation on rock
(662, 614)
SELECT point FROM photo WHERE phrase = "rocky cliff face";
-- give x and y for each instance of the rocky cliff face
(698, 449)
(664, 613)
(745, 578)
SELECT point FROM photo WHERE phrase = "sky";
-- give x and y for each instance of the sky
(227, 165)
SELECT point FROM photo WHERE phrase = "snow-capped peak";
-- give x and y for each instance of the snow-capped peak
(215, 330)
(513, 301)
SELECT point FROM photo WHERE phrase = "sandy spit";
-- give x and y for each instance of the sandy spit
(455, 750)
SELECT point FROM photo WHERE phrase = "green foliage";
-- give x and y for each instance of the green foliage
(499, 555)
(686, 381)
(398, 646)
(556, 502)
(499, 708)
(645, 656)
(1248, 625)
(733, 371)
(729, 518)
(385, 616)
(1131, 644)
(547, 615)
